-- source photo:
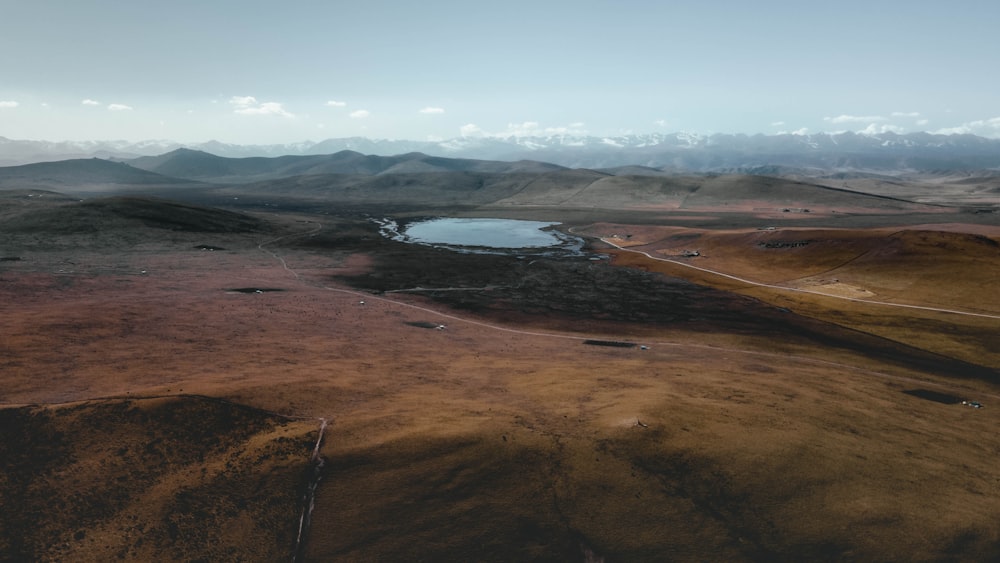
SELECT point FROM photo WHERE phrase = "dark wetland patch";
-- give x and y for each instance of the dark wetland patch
(425, 324)
(10, 258)
(611, 343)
(254, 289)
(935, 396)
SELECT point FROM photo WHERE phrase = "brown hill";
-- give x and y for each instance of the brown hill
(92, 173)
(176, 478)
(125, 213)
(203, 166)
(769, 192)
(504, 436)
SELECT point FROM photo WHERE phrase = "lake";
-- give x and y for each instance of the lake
(485, 235)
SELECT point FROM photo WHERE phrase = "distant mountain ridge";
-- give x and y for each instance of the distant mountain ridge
(417, 180)
(203, 166)
(80, 172)
(888, 153)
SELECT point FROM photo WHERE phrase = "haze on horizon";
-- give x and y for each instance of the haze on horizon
(252, 72)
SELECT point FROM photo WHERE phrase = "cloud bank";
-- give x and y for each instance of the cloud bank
(248, 105)
(983, 127)
(855, 119)
(524, 129)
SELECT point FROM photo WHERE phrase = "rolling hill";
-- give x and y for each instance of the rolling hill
(81, 173)
(416, 179)
(814, 154)
(203, 166)
(761, 383)
(123, 213)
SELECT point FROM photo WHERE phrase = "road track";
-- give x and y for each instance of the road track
(682, 345)
(795, 289)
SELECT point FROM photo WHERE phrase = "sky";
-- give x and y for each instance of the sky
(254, 72)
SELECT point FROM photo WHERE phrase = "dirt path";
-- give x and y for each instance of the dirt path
(364, 297)
(799, 290)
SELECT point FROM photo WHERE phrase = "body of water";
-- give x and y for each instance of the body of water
(485, 235)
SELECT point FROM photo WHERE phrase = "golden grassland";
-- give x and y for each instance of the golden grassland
(490, 439)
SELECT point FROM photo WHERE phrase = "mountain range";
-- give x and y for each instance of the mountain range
(417, 180)
(815, 154)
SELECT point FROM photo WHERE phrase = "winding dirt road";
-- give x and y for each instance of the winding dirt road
(681, 345)
(797, 290)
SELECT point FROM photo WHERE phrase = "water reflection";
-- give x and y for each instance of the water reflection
(485, 235)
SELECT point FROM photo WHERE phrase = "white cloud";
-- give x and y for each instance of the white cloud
(960, 130)
(359, 114)
(923, 122)
(248, 105)
(982, 127)
(874, 129)
(777, 123)
(242, 101)
(266, 108)
(534, 129)
(9, 104)
(855, 119)
(119, 107)
(577, 124)
(471, 130)
(906, 114)
(524, 129)
(89, 102)
(432, 110)
(658, 122)
(801, 132)
(335, 104)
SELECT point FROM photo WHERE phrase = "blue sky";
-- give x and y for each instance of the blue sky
(276, 72)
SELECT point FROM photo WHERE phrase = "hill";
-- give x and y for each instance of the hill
(814, 154)
(78, 173)
(567, 189)
(416, 179)
(198, 165)
(125, 214)
(150, 479)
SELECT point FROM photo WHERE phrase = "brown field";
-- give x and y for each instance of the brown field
(753, 423)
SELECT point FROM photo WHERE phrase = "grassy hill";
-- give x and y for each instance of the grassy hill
(198, 165)
(150, 479)
(124, 213)
(81, 173)
(416, 179)
(732, 190)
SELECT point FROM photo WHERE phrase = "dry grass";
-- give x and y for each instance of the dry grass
(473, 443)
(922, 266)
(153, 479)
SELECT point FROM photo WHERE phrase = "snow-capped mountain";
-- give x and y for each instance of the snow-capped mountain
(888, 152)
